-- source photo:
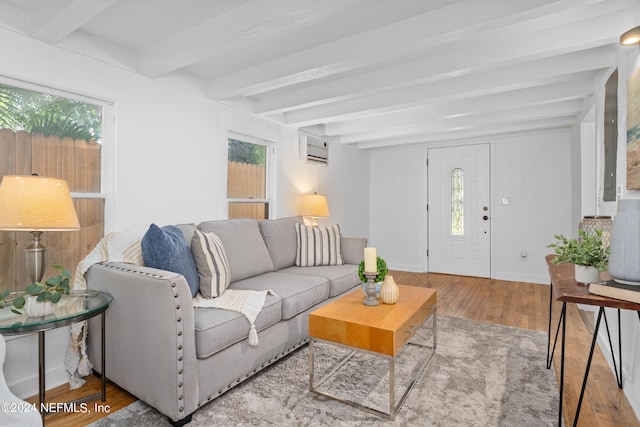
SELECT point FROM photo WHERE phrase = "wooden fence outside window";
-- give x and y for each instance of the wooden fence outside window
(247, 181)
(77, 162)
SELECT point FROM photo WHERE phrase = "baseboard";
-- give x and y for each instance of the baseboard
(407, 267)
(527, 278)
(28, 386)
(511, 277)
(21, 362)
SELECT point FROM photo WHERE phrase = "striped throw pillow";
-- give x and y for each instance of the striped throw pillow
(211, 263)
(318, 245)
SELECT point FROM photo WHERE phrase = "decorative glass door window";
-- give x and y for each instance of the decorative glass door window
(457, 202)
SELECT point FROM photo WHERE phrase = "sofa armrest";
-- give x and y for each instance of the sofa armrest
(352, 249)
(150, 336)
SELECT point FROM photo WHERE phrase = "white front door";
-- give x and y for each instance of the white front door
(459, 214)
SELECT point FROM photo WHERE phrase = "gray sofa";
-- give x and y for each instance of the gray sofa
(176, 357)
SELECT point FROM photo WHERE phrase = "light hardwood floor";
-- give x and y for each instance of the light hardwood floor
(522, 305)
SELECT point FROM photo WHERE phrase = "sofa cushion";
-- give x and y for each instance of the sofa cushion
(246, 251)
(216, 329)
(352, 249)
(341, 277)
(165, 248)
(280, 237)
(297, 292)
(318, 245)
(211, 262)
(187, 231)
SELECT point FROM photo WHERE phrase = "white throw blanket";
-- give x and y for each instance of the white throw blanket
(115, 247)
(247, 302)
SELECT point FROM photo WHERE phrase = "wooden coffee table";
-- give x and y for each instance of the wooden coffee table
(382, 330)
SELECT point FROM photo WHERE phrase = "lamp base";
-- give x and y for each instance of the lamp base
(35, 256)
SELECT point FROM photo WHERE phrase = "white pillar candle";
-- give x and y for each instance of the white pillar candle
(370, 260)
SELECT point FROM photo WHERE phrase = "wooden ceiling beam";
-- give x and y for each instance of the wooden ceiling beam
(537, 95)
(432, 28)
(519, 76)
(505, 115)
(51, 23)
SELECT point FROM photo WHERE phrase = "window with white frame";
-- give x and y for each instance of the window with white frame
(51, 133)
(248, 177)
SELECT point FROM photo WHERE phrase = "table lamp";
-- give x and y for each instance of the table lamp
(36, 204)
(315, 205)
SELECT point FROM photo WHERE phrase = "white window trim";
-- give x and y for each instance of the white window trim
(271, 169)
(107, 166)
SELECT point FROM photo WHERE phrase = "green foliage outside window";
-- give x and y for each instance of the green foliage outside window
(39, 113)
(246, 152)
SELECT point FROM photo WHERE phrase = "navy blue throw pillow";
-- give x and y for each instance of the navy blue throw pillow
(165, 248)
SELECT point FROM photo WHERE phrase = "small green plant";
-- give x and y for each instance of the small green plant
(587, 250)
(51, 290)
(381, 267)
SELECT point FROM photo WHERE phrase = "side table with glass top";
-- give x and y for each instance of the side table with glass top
(72, 308)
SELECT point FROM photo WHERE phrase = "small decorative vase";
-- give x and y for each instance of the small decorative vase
(586, 274)
(624, 259)
(592, 223)
(389, 293)
(34, 308)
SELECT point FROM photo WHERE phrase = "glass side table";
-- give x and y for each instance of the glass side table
(72, 308)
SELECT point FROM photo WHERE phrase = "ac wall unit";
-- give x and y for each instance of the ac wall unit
(314, 150)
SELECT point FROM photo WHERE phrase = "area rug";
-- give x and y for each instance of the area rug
(481, 375)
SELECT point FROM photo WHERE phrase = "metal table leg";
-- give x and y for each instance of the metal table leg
(104, 375)
(617, 371)
(41, 374)
(555, 340)
(549, 325)
(586, 373)
(563, 320)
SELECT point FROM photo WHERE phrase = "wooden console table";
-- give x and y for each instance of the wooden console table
(564, 288)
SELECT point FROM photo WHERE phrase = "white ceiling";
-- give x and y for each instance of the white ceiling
(366, 72)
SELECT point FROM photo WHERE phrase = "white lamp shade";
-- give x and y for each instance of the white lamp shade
(315, 205)
(35, 203)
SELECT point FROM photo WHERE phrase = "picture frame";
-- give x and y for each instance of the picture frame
(633, 131)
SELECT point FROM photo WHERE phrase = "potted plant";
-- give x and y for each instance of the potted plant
(39, 298)
(588, 253)
(382, 273)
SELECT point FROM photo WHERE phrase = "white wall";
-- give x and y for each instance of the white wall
(628, 62)
(346, 183)
(168, 163)
(398, 207)
(533, 171)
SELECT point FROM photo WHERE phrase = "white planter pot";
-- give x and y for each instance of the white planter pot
(586, 274)
(35, 308)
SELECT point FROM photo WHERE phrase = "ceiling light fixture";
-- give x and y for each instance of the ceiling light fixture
(631, 37)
